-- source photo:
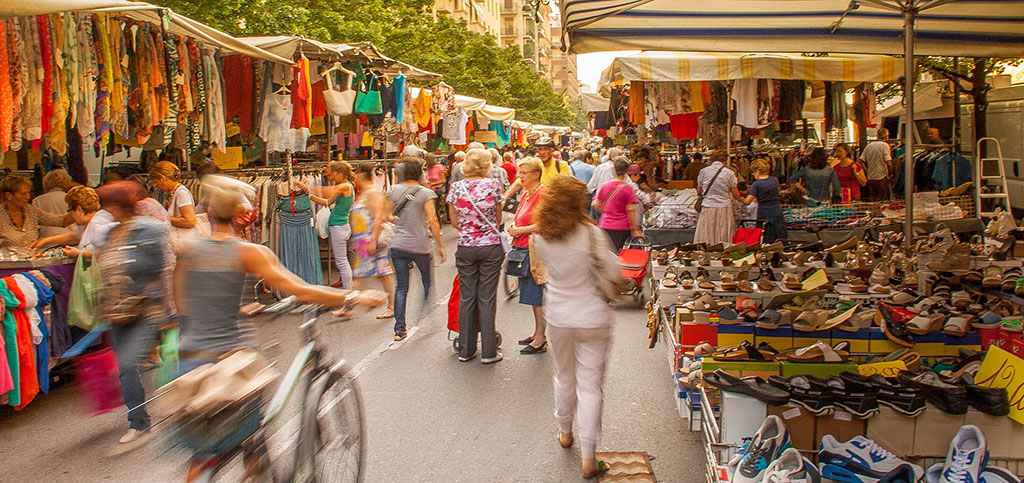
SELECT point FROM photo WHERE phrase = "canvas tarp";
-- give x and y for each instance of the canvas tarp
(593, 102)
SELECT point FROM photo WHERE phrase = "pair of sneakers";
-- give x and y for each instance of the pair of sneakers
(769, 457)
(967, 461)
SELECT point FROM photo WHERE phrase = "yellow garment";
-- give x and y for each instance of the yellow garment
(551, 170)
(696, 97)
(423, 108)
(636, 102)
(367, 140)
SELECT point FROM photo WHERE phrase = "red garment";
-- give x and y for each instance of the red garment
(319, 106)
(524, 215)
(510, 168)
(47, 60)
(238, 96)
(685, 126)
(301, 115)
(26, 350)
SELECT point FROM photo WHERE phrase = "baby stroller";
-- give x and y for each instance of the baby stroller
(453, 317)
(634, 258)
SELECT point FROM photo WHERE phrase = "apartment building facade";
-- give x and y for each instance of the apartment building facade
(482, 16)
(563, 66)
(527, 25)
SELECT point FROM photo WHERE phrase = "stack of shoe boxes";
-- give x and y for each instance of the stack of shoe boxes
(928, 434)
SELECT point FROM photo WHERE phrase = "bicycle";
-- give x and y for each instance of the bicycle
(330, 443)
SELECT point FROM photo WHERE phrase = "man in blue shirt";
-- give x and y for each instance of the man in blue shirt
(582, 170)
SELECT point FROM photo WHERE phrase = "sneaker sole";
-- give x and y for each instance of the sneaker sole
(858, 415)
(901, 410)
(817, 412)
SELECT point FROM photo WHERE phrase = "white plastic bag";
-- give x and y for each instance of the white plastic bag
(322, 218)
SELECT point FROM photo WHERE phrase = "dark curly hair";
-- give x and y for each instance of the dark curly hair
(562, 208)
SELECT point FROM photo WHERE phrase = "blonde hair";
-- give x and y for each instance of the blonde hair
(223, 195)
(57, 178)
(84, 197)
(495, 156)
(761, 166)
(165, 169)
(508, 156)
(531, 161)
(477, 163)
(342, 167)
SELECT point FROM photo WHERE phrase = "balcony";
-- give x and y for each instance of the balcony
(509, 32)
(509, 9)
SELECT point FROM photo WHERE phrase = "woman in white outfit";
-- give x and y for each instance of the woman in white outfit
(579, 321)
(717, 184)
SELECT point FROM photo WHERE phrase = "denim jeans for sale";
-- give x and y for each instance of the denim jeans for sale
(132, 344)
(401, 259)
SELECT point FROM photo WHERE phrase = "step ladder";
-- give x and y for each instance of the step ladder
(991, 186)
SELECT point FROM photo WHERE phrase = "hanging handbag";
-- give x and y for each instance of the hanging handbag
(339, 103)
(517, 262)
(699, 204)
(369, 102)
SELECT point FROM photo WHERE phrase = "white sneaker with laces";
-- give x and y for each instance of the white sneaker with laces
(791, 468)
(965, 461)
(859, 457)
(130, 436)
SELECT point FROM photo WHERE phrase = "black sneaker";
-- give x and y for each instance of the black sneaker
(808, 391)
(989, 400)
(904, 400)
(853, 397)
(947, 397)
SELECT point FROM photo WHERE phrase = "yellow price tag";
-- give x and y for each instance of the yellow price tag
(232, 129)
(886, 369)
(1001, 369)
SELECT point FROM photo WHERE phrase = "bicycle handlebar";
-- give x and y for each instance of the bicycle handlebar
(289, 305)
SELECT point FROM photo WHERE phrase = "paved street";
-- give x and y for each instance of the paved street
(430, 418)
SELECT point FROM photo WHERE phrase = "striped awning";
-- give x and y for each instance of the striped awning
(978, 28)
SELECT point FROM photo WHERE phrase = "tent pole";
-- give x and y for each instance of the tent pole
(728, 126)
(909, 11)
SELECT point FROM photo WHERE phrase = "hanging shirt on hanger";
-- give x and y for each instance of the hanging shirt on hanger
(302, 109)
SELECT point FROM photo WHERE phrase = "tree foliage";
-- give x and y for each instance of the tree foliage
(474, 64)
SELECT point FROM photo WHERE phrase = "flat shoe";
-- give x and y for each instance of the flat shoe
(602, 467)
(526, 341)
(534, 350)
(387, 314)
(559, 436)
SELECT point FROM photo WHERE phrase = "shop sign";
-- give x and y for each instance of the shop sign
(1001, 369)
(485, 136)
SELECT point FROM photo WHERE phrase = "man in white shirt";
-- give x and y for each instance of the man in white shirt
(605, 172)
(878, 158)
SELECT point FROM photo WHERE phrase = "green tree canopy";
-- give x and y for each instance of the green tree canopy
(474, 64)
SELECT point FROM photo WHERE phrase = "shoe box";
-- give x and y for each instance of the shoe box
(817, 369)
(893, 431)
(802, 426)
(781, 338)
(742, 416)
(804, 339)
(933, 431)
(989, 337)
(860, 341)
(970, 341)
(1000, 434)
(931, 345)
(692, 334)
(878, 343)
(1012, 342)
(735, 334)
(742, 369)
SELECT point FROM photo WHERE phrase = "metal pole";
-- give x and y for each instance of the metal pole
(728, 126)
(909, 11)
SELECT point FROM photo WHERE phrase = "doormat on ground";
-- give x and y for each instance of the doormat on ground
(631, 467)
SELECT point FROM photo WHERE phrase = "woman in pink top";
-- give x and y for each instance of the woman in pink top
(851, 174)
(615, 202)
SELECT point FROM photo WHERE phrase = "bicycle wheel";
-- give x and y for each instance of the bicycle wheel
(340, 454)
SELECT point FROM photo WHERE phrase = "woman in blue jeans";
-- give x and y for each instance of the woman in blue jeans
(414, 211)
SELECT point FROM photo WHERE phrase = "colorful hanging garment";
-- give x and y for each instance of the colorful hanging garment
(28, 377)
(6, 116)
(171, 64)
(215, 101)
(11, 347)
(18, 79)
(636, 102)
(302, 110)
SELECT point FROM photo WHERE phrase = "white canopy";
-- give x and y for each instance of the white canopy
(143, 12)
(932, 100)
(497, 113)
(980, 28)
(365, 52)
(593, 102)
(656, 66)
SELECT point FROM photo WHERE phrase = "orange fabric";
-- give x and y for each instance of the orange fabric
(6, 100)
(636, 102)
(26, 350)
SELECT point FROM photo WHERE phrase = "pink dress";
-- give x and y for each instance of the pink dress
(848, 180)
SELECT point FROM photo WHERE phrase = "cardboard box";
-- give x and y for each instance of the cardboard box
(781, 338)
(801, 424)
(841, 425)
(934, 430)
(804, 339)
(742, 416)
(742, 369)
(878, 343)
(1017, 438)
(860, 341)
(692, 334)
(970, 341)
(930, 345)
(892, 431)
(817, 369)
(999, 433)
(735, 334)
(989, 337)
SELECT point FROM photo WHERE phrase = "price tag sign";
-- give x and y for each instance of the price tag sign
(886, 369)
(1001, 369)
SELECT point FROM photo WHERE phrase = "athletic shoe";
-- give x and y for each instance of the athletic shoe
(767, 445)
(808, 391)
(791, 468)
(857, 398)
(995, 474)
(904, 400)
(966, 459)
(860, 460)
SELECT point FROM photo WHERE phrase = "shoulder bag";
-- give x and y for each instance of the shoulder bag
(339, 103)
(369, 102)
(699, 204)
(610, 287)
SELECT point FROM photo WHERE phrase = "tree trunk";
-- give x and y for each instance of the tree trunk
(979, 92)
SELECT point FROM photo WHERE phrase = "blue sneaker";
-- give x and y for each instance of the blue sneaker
(791, 468)
(966, 459)
(768, 444)
(860, 460)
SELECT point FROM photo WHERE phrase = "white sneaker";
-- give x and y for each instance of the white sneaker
(131, 435)
(791, 468)
(965, 461)
(860, 459)
(768, 444)
(995, 474)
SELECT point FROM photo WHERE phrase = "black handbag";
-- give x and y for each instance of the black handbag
(518, 262)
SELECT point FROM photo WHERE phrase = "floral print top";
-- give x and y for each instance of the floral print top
(474, 229)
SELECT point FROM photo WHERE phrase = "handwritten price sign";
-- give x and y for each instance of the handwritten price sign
(1001, 369)
(886, 369)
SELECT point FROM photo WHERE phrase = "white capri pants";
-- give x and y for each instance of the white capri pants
(580, 356)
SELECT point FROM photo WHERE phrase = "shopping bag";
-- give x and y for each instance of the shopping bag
(369, 102)
(82, 298)
(339, 103)
(453, 306)
(98, 381)
(168, 352)
(750, 236)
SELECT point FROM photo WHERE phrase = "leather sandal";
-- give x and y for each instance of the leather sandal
(818, 352)
(743, 352)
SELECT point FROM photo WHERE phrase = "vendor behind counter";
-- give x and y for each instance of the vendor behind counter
(19, 220)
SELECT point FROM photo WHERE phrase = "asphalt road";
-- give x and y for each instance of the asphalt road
(429, 417)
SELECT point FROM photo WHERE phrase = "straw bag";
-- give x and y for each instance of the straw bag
(339, 103)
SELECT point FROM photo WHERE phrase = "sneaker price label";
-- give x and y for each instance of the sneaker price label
(791, 413)
(842, 416)
(886, 369)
